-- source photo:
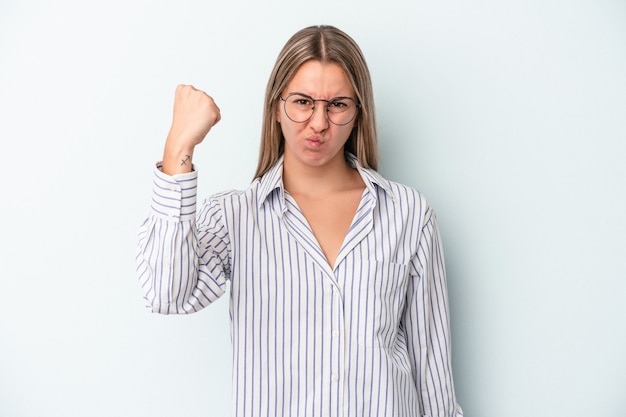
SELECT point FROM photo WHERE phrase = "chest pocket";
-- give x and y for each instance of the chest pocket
(374, 302)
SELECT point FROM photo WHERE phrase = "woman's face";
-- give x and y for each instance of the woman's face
(316, 142)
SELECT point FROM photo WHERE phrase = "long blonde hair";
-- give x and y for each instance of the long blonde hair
(325, 44)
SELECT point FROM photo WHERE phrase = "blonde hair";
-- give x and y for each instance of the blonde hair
(325, 44)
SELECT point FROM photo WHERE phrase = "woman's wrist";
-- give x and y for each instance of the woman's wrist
(177, 160)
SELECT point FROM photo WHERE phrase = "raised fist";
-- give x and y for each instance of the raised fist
(195, 113)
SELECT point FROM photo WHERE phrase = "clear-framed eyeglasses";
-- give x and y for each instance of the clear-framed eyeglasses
(340, 111)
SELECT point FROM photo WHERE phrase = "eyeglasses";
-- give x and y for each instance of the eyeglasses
(340, 111)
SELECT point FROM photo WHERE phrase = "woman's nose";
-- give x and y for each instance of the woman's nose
(319, 118)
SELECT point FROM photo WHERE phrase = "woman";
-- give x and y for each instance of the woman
(337, 282)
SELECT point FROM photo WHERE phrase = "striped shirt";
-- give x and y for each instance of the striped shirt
(369, 337)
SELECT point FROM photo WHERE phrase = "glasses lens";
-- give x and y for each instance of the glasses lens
(300, 108)
(342, 110)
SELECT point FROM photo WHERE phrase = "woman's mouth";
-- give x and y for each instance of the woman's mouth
(315, 141)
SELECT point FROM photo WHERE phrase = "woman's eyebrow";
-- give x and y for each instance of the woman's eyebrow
(313, 98)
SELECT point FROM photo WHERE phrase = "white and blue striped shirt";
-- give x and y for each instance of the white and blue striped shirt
(369, 337)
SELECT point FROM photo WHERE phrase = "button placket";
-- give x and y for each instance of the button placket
(337, 324)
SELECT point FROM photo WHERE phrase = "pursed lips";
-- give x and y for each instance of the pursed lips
(315, 140)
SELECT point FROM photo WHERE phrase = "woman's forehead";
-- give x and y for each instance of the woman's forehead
(318, 79)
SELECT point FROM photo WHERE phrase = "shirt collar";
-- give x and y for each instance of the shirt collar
(372, 179)
(272, 181)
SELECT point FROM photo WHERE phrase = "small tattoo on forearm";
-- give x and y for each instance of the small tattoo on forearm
(184, 161)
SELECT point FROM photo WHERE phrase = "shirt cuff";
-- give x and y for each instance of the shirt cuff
(174, 196)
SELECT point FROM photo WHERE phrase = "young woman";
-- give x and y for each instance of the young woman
(337, 282)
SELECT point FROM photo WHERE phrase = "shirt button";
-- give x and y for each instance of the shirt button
(335, 377)
(335, 333)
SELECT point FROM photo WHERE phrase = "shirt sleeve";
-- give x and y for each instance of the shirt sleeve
(183, 257)
(427, 325)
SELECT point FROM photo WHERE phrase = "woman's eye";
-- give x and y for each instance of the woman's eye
(338, 106)
(303, 102)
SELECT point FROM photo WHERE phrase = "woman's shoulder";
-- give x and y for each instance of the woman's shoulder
(408, 202)
(398, 192)
(409, 196)
(235, 196)
(225, 195)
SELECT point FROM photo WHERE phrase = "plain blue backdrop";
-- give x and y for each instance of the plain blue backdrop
(510, 116)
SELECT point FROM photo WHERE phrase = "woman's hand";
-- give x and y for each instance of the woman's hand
(195, 113)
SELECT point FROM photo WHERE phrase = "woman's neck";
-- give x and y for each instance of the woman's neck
(335, 176)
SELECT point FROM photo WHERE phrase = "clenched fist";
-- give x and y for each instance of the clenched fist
(195, 113)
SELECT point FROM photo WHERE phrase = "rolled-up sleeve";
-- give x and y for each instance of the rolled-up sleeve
(427, 325)
(182, 255)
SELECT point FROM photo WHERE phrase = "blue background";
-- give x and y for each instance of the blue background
(510, 116)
